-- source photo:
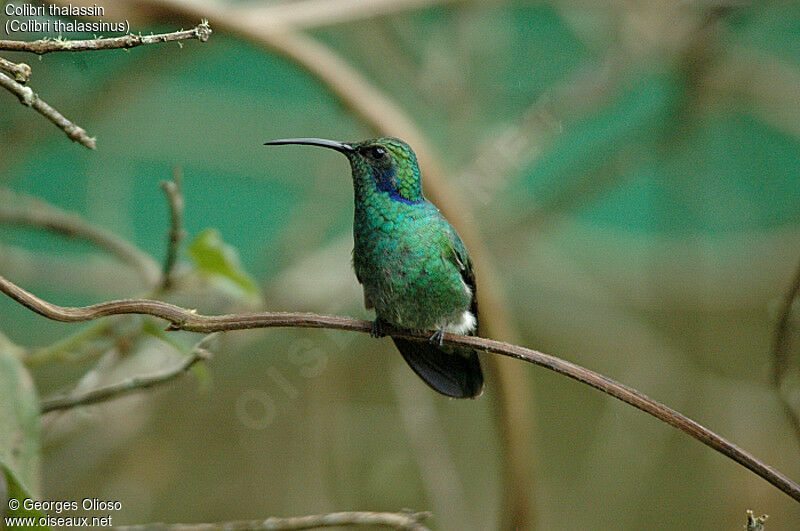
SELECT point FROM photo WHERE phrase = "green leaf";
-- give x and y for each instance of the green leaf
(216, 259)
(18, 493)
(19, 419)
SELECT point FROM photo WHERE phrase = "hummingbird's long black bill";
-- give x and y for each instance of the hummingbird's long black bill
(332, 144)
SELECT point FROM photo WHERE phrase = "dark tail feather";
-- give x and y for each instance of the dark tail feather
(448, 370)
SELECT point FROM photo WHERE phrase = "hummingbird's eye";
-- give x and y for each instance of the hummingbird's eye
(376, 152)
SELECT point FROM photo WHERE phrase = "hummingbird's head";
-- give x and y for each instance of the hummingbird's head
(389, 165)
(386, 165)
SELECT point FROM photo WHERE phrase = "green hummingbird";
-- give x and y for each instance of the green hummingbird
(412, 265)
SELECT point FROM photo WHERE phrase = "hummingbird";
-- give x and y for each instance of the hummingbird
(411, 263)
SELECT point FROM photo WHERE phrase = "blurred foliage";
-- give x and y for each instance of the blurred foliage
(214, 258)
(633, 167)
(15, 491)
(19, 418)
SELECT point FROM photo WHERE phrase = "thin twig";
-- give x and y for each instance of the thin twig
(20, 71)
(182, 319)
(780, 354)
(137, 383)
(200, 32)
(173, 191)
(19, 210)
(30, 99)
(401, 520)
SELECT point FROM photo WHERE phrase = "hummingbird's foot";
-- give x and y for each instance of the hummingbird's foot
(377, 328)
(437, 337)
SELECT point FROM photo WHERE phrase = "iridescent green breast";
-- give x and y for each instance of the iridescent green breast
(401, 258)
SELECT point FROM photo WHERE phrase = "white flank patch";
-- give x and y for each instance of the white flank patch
(466, 324)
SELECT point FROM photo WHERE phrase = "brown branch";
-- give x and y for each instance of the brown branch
(780, 354)
(20, 210)
(29, 98)
(172, 189)
(200, 32)
(137, 383)
(401, 520)
(20, 71)
(181, 319)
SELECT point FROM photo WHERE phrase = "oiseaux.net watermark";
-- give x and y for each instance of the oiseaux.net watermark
(56, 513)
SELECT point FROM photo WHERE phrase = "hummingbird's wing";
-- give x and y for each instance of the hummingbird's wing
(460, 258)
(452, 371)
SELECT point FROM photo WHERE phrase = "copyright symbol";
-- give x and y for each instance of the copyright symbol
(13, 504)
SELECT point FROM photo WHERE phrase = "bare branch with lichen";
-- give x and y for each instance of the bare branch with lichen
(189, 320)
(29, 98)
(200, 32)
(20, 71)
